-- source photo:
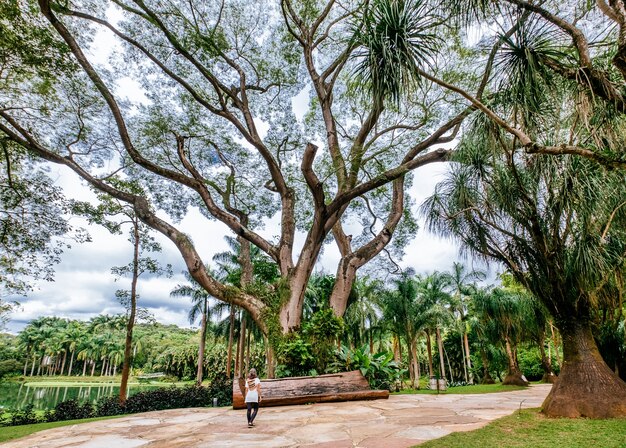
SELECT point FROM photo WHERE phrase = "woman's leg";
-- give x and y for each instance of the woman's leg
(256, 409)
(249, 406)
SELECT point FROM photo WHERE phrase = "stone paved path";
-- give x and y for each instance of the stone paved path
(401, 421)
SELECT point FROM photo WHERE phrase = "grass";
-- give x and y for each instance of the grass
(530, 428)
(475, 389)
(14, 432)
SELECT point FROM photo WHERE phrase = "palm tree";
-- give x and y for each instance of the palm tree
(462, 285)
(432, 293)
(200, 307)
(404, 317)
(364, 311)
(507, 314)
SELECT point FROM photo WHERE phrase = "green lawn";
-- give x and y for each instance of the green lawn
(14, 432)
(529, 428)
(475, 389)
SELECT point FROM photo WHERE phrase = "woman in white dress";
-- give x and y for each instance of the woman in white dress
(253, 396)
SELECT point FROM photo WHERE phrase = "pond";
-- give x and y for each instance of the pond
(18, 396)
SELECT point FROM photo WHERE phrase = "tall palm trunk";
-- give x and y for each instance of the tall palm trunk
(69, 370)
(487, 379)
(63, 364)
(203, 330)
(128, 343)
(231, 335)
(25, 365)
(463, 357)
(469, 358)
(242, 346)
(84, 366)
(32, 368)
(514, 375)
(431, 371)
(442, 367)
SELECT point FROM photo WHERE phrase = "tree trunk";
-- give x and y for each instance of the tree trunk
(469, 359)
(586, 386)
(93, 367)
(63, 364)
(269, 356)
(25, 365)
(242, 346)
(69, 370)
(231, 333)
(203, 329)
(248, 351)
(431, 371)
(104, 362)
(32, 368)
(442, 367)
(487, 379)
(84, 366)
(396, 351)
(556, 345)
(128, 343)
(514, 376)
(546, 363)
(413, 369)
(463, 358)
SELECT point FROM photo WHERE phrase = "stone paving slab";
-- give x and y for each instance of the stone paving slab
(401, 421)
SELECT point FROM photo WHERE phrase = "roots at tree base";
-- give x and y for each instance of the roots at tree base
(586, 386)
(515, 379)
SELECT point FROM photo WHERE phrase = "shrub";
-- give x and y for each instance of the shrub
(70, 410)
(222, 389)
(156, 400)
(26, 416)
(379, 368)
(9, 367)
(107, 406)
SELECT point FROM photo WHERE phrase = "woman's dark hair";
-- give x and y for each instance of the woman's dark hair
(252, 374)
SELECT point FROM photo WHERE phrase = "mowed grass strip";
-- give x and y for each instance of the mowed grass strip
(529, 428)
(15, 432)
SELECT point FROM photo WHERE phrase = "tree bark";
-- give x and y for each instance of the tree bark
(242, 346)
(442, 367)
(469, 359)
(487, 379)
(128, 343)
(203, 329)
(429, 348)
(464, 358)
(64, 360)
(546, 363)
(586, 386)
(231, 333)
(69, 370)
(514, 375)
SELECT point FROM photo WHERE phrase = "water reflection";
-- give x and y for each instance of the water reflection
(18, 396)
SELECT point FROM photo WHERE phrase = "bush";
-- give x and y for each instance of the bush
(107, 406)
(379, 368)
(222, 389)
(70, 410)
(26, 416)
(10, 367)
(168, 398)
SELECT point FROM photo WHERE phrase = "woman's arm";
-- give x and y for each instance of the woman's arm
(259, 389)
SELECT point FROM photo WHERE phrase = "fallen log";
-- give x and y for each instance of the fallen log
(345, 386)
